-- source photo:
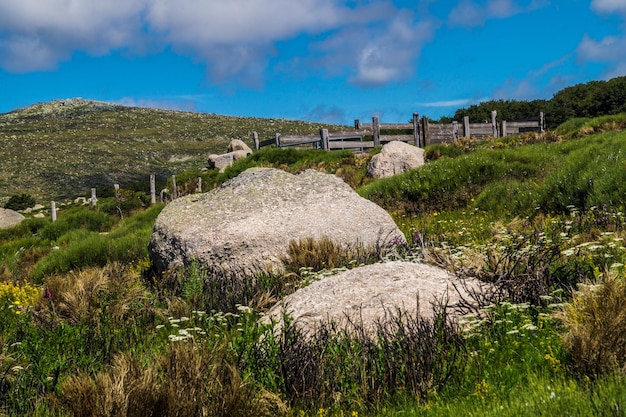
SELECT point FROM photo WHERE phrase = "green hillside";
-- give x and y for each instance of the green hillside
(63, 148)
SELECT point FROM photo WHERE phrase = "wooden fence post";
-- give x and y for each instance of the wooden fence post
(53, 211)
(199, 184)
(152, 190)
(376, 131)
(466, 127)
(426, 132)
(542, 122)
(503, 129)
(357, 124)
(324, 139)
(174, 192)
(455, 130)
(255, 140)
(277, 139)
(94, 200)
(416, 129)
(494, 123)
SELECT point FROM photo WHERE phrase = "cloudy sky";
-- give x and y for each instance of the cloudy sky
(318, 60)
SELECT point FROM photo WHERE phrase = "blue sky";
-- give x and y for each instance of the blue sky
(318, 60)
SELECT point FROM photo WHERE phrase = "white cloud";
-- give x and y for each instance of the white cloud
(469, 13)
(235, 39)
(610, 48)
(36, 35)
(390, 56)
(609, 6)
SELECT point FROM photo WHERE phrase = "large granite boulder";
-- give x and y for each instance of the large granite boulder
(395, 158)
(244, 227)
(9, 218)
(370, 293)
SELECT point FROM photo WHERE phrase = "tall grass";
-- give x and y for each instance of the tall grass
(81, 247)
(513, 181)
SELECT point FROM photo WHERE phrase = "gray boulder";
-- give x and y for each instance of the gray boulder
(239, 145)
(237, 149)
(244, 227)
(371, 293)
(220, 162)
(395, 158)
(9, 218)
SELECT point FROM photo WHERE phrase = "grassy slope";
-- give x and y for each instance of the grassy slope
(61, 149)
(511, 369)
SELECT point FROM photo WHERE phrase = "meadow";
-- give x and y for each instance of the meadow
(88, 329)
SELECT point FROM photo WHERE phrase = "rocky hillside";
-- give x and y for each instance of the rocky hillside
(63, 148)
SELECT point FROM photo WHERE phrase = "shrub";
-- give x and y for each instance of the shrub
(189, 380)
(354, 367)
(77, 218)
(20, 202)
(123, 204)
(596, 326)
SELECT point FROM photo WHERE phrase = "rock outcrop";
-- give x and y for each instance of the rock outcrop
(395, 158)
(244, 227)
(237, 149)
(9, 218)
(366, 294)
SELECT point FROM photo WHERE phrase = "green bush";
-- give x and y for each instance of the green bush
(81, 247)
(20, 202)
(77, 218)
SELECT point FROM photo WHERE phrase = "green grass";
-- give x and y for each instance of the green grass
(52, 151)
(536, 218)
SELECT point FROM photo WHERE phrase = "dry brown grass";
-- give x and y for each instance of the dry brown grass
(79, 296)
(596, 323)
(189, 380)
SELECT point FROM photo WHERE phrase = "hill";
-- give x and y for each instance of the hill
(63, 148)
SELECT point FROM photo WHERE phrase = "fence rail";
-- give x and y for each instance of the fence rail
(420, 133)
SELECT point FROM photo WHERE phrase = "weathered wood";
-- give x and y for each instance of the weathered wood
(298, 138)
(416, 130)
(357, 124)
(395, 126)
(53, 211)
(440, 133)
(466, 127)
(174, 190)
(376, 130)
(152, 189)
(255, 140)
(400, 138)
(338, 133)
(494, 123)
(199, 189)
(324, 138)
(542, 122)
(277, 140)
(94, 199)
(503, 128)
(455, 130)
(528, 124)
(351, 145)
(426, 131)
(268, 142)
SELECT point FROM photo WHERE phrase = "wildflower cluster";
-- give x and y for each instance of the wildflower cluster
(17, 297)
(203, 325)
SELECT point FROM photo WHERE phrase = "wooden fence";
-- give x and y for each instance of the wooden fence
(420, 133)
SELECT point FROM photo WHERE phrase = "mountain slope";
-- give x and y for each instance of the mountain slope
(63, 148)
